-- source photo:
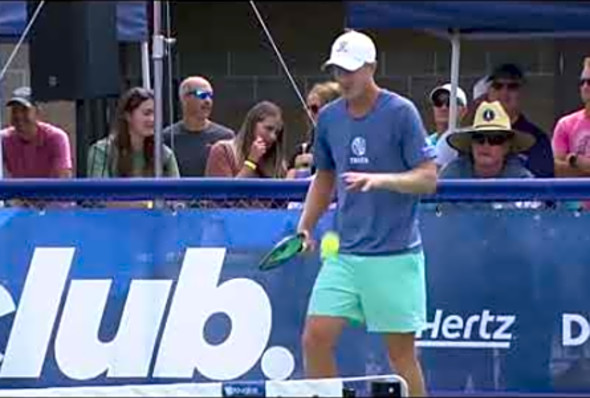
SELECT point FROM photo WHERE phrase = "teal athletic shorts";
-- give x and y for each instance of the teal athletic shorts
(386, 293)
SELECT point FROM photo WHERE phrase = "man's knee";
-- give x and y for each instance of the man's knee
(321, 333)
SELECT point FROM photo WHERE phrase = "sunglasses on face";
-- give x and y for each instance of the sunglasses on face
(512, 86)
(441, 101)
(585, 81)
(200, 94)
(492, 139)
(314, 109)
(337, 71)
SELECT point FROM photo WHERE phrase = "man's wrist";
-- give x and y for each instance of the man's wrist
(572, 160)
(303, 229)
(250, 164)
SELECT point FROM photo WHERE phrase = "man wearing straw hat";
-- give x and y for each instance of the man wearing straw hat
(488, 149)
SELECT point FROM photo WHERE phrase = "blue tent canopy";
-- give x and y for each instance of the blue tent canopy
(131, 19)
(476, 19)
(553, 17)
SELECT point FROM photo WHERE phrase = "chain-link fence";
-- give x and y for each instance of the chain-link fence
(263, 194)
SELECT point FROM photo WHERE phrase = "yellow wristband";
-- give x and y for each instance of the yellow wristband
(250, 164)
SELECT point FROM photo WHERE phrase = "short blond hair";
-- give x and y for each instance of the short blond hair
(326, 91)
(587, 63)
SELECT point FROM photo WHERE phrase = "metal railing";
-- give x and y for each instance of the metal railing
(224, 188)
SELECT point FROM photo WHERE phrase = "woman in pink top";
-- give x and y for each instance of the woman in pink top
(257, 151)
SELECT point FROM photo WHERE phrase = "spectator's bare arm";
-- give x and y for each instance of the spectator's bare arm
(62, 160)
(565, 164)
(250, 167)
(564, 169)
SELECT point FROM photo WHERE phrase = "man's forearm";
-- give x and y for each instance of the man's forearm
(318, 200)
(563, 169)
(62, 173)
(421, 180)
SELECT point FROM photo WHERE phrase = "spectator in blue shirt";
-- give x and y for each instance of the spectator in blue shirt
(506, 82)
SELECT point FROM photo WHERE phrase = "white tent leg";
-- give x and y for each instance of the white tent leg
(145, 65)
(455, 57)
(158, 58)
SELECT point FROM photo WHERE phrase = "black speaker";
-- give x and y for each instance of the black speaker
(73, 50)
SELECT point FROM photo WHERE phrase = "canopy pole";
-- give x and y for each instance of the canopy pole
(145, 65)
(455, 57)
(158, 59)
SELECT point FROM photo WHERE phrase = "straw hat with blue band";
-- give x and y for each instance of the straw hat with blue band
(491, 118)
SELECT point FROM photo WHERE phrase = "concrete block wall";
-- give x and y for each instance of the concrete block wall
(225, 42)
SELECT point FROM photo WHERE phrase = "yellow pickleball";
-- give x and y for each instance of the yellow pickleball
(330, 244)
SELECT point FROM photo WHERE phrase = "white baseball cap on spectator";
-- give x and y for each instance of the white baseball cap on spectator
(481, 87)
(22, 96)
(352, 50)
(446, 88)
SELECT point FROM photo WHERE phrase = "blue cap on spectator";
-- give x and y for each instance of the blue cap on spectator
(22, 96)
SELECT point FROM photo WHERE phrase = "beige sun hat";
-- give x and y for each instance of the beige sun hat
(490, 117)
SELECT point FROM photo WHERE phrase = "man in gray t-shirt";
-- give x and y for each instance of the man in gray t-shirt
(370, 146)
(192, 137)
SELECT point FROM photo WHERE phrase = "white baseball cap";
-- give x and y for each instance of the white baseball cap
(352, 50)
(461, 96)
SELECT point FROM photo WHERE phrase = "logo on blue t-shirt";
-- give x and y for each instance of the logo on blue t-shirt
(359, 149)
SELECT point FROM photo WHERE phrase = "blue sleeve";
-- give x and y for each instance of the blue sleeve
(451, 170)
(540, 160)
(416, 147)
(322, 154)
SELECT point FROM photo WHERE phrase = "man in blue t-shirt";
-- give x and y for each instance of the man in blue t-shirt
(372, 147)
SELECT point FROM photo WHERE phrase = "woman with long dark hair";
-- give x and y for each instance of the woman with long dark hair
(129, 150)
(257, 151)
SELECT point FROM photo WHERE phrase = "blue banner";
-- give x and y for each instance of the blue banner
(123, 297)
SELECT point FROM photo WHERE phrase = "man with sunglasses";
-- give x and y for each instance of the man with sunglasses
(192, 137)
(506, 82)
(440, 100)
(571, 137)
(370, 146)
